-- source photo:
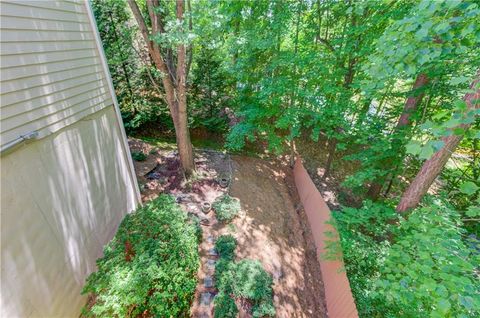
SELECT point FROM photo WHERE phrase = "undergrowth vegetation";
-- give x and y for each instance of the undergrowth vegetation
(138, 156)
(245, 280)
(226, 208)
(149, 267)
(388, 89)
(423, 266)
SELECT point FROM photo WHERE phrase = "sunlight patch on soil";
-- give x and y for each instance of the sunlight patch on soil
(269, 230)
(272, 226)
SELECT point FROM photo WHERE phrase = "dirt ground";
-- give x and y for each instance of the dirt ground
(273, 229)
(314, 155)
(272, 226)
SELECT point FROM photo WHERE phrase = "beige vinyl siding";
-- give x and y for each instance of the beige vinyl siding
(64, 193)
(50, 69)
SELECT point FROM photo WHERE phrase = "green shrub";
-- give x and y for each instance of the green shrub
(224, 274)
(419, 267)
(225, 306)
(195, 221)
(225, 246)
(138, 156)
(363, 236)
(150, 266)
(251, 281)
(264, 308)
(246, 279)
(226, 208)
(431, 271)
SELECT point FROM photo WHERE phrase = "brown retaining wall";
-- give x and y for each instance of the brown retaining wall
(339, 298)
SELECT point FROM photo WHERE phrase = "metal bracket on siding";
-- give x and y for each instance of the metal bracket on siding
(28, 136)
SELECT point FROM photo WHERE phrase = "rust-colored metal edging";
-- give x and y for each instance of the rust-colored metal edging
(339, 298)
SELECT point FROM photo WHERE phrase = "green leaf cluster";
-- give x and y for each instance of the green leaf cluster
(246, 279)
(139, 156)
(423, 266)
(149, 267)
(226, 208)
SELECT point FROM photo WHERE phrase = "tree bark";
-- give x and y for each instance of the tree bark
(433, 166)
(181, 129)
(411, 104)
(414, 99)
(332, 146)
(174, 83)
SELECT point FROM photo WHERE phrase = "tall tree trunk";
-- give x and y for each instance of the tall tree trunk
(414, 99)
(190, 47)
(294, 93)
(319, 23)
(411, 104)
(173, 82)
(433, 166)
(332, 146)
(183, 135)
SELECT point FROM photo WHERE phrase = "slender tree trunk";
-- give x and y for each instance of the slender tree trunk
(294, 93)
(433, 166)
(364, 111)
(389, 187)
(382, 101)
(319, 22)
(413, 100)
(411, 104)
(173, 82)
(183, 135)
(332, 146)
(190, 47)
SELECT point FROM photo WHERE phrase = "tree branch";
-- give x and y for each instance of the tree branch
(140, 20)
(326, 43)
(190, 47)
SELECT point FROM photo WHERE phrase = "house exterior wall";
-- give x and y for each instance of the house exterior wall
(51, 69)
(63, 194)
(62, 199)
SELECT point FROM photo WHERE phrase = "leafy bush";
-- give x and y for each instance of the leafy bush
(419, 267)
(246, 279)
(194, 220)
(150, 265)
(138, 156)
(431, 269)
(224, 275)
(225, 306)
(226, 208)
(225, 246)
(363, 234)
(252, 282)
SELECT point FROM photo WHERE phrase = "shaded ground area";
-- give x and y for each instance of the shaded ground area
(271, 230)
(271, 227)
(315, 155)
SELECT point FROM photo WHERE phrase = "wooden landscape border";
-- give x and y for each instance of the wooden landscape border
(339, 298)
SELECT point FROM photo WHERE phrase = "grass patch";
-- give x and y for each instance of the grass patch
(149, 268)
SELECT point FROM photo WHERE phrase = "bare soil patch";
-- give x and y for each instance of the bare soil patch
(273, 229)
(272, 226)
(315, 155)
